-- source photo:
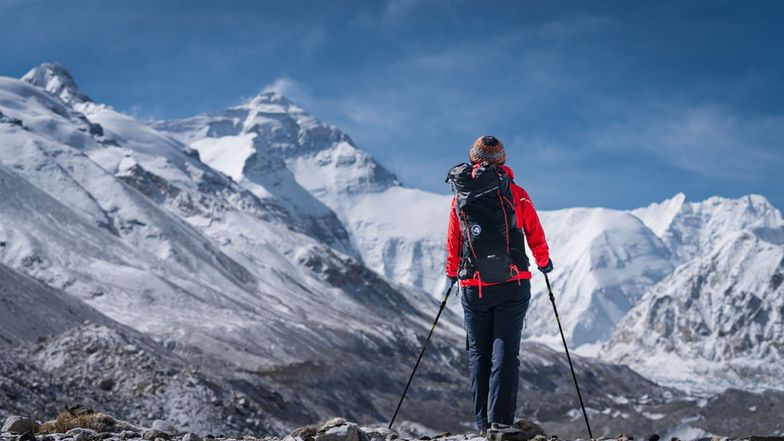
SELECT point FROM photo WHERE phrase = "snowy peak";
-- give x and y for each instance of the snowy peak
(271, 128)
(280, 152)
(269, 97)
(690, 229)
(659, 216)
(56, 80)
(270, 102)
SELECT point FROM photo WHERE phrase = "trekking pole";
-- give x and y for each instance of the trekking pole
(424, 347)
(568, 357)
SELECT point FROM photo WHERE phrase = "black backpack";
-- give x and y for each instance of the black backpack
(493, 247)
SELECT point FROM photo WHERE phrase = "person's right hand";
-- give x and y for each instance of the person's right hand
(452, 279)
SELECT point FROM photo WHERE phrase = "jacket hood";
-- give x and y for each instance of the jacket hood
(508, 171)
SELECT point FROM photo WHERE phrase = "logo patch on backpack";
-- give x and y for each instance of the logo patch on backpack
(476, 230)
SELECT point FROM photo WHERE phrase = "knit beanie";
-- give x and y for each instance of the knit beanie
(487, 149)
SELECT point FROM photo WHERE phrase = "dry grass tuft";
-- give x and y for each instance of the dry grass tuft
(47, 427)
(67, 420)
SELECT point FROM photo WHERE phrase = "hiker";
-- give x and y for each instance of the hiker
(491, 217)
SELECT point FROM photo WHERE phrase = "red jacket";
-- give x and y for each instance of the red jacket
(526, 217)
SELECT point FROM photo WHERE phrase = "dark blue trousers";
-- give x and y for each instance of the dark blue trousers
(493, 327)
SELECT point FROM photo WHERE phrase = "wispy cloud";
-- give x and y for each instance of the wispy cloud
(292, 89)
(708, 139)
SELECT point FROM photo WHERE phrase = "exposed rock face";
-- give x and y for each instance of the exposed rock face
(720, 317)
(56, 80)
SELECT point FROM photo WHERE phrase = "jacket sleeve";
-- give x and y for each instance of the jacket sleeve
(453, 242)
(529, 221)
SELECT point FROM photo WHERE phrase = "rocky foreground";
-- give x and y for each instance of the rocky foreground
(79, 423)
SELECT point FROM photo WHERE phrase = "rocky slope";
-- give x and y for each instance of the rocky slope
(136, 378)
(31, 310)
(80, 423)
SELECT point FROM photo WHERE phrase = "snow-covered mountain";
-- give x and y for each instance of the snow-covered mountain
(274, 147)
(265, 143)
(125, 218)
(720, 316)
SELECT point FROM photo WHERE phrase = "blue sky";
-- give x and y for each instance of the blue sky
(598, 103)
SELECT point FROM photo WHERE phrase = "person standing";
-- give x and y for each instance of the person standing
(490, 219)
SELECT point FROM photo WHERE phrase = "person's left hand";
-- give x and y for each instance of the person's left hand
(548, 268)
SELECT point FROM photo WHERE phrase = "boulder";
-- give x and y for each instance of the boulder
(152, 435)
(18, 424)
(344, 432)
(334, 422)
(529, 428)
(190, 437)
(502, 432)
(81, 433)
(306, 433)
(378, 433)
(163, 427)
